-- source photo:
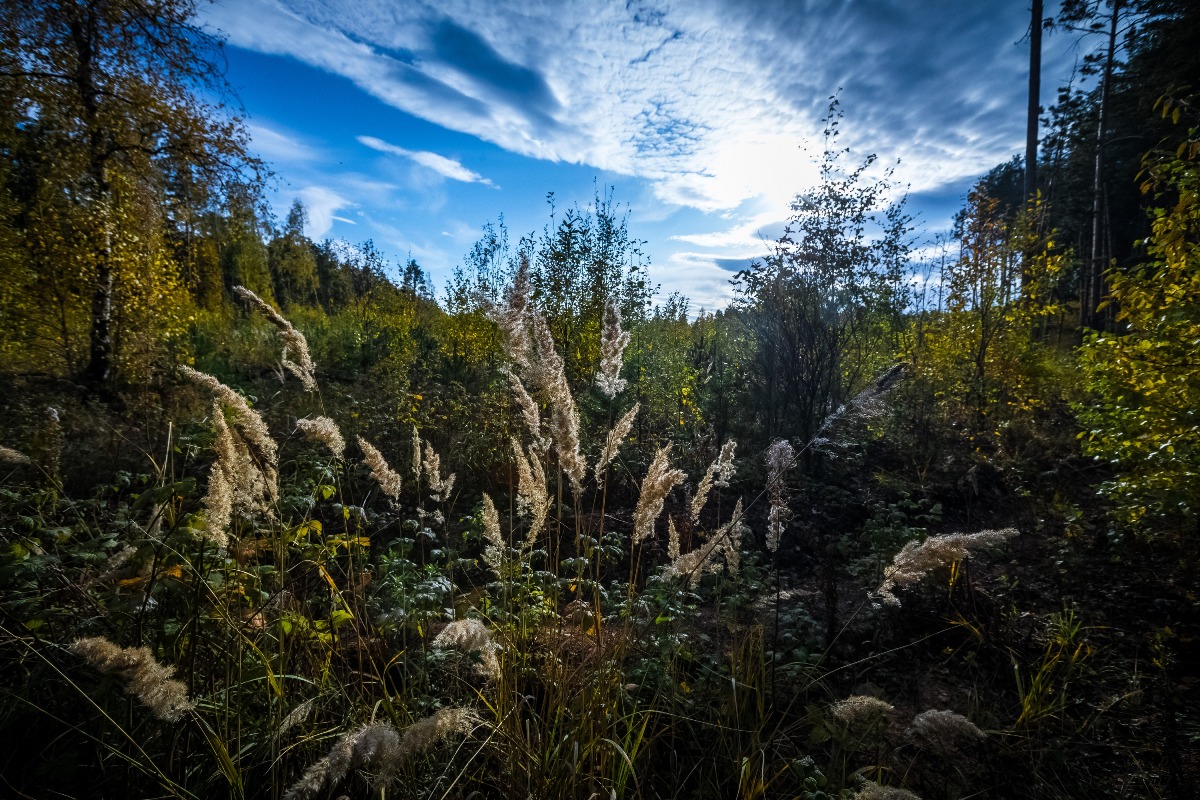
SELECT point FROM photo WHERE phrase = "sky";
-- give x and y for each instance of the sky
(413, 124)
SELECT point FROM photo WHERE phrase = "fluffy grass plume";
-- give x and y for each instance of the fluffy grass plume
(10, 456)
(659, 481)
(694, 563)
(532, 498)
(146, 679)
(944, 731)
(860, 711)
(916, 559)
(613, 342)
(379, 752)
(251, 429)
(325, 431)
(471, 636)
(780, 458)
(296, 358)
(387, 478)
(493, 551)
(529, 411)
(511, 318)
(431, 463)
(551, 377)
(612, 443)
(718, 474)
(874, 791)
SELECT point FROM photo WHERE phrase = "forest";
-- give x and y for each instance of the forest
(279, 518)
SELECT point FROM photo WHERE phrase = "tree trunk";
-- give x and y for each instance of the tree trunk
(1089, 302)
(1035, 84)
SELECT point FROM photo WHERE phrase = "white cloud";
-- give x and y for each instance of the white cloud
(446, 167)
(276, 146)
(321, 203)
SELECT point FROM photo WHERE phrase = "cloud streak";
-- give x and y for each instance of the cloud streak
(446, 167)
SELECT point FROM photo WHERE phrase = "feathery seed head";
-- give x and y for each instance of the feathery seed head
(659, 481)
(10, 456)
(860, 710)
(616, 437)
(325, 431)
(146, 679)
(613, 341)
(493, 553)
(916, 559)
(387, 478)
(944, 731)
(471, 636)
(294, 344)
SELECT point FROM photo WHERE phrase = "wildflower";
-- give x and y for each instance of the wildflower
(325, 431)
(387, 478)
(915, 559)
(615, 438)
(860, 710)
(657, 484)
(148, 680)
(613, 341)
(471, 636)
(493, 552)
(294, 343)
(944, 731)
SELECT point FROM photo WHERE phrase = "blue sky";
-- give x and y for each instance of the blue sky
(413, 124)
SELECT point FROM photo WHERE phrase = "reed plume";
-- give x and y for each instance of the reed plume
(387, 478)
(860, 711)
(718, 474)
(613, 342)
(294, 344)
(251, 429)
(616, 437)
(431, 464)
(371, 748)
(416, 454)
(511, 318)
(659, 481)
(146, 679)
(10, 456)
(694, 563)
(875, 791)
(781, 456)
(379, 751)
(493, 552)
(532, 498)
(324, 431)
(944, 731)
(471, 636)
(529, 411)
(551, 378)
(915, 559)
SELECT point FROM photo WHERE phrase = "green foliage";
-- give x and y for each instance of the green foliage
(1142, 416)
